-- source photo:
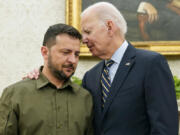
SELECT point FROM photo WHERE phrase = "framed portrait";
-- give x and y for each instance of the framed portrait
(152, 25)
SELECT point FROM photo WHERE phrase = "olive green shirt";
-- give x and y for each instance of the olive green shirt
(37, 107)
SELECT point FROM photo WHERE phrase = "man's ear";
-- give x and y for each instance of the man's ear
(110, 27)
(45, 52)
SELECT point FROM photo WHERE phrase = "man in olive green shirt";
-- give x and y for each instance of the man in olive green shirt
(52, 104)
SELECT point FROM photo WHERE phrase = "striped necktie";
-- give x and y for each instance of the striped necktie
(105, 81)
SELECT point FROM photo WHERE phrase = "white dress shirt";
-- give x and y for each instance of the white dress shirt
(117, 57)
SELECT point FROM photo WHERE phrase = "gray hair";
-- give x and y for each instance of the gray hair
(107, 11)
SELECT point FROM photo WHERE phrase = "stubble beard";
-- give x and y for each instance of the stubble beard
(59, 74)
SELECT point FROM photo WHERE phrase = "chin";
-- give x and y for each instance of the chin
(93, 52)
(69, 74)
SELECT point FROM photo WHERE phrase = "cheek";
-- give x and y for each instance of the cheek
(90, 38)
(94, 36)
(99, 38)
(75, 65)
(59, 63)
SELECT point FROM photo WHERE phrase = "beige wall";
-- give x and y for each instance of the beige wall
(22, 26)
(174, 63)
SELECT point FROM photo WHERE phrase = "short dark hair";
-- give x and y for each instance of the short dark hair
(57, 29)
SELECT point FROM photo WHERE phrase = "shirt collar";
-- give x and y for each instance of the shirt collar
(42, 81)
(117, 56)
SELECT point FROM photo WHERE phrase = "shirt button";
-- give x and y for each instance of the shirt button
(59, 125)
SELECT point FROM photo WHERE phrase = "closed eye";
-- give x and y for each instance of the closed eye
(87, 32)
(77, 54)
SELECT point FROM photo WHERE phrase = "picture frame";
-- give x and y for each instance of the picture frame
(167, 48)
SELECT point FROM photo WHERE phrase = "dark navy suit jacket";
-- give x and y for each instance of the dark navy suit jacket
(142, 99)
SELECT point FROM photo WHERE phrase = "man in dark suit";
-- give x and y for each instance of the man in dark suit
(134, 95)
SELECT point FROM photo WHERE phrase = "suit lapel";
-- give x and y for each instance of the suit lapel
(121, 74)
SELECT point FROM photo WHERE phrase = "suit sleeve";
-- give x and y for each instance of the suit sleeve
(161, 99)
(8, 118)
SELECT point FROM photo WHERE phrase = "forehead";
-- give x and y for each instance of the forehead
(88, 21)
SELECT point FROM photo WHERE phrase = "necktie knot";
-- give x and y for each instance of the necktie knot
(109, 63)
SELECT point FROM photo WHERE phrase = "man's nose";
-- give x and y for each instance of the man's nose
(84, 39)
(72, 58)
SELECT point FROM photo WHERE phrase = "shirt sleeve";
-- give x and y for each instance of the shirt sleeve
(8, 117)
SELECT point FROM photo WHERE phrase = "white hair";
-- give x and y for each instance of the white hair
(107, 11)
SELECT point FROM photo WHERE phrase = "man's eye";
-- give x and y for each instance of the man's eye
(77, 54)
(66, 52)
(87, 32)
